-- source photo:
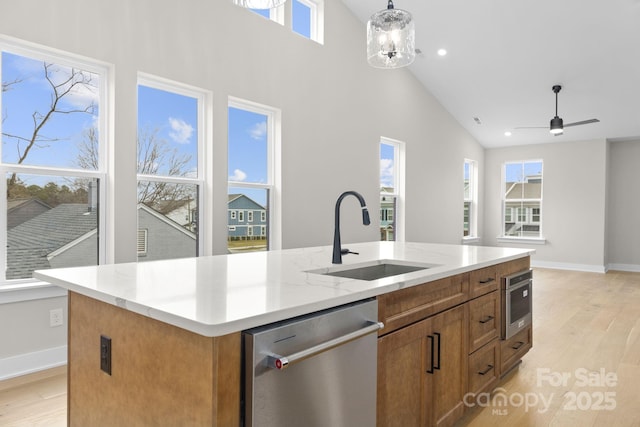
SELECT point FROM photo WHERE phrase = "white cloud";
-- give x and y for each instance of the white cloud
(259, 130)
(238, 175)
(181, 130)
(386, 172)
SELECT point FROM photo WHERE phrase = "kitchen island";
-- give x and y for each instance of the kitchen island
(173, 327)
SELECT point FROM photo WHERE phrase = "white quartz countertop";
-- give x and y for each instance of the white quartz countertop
(218, 295)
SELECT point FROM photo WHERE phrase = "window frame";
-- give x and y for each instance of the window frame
(316, 19)
(527, 211)
(399, 157)
(472, 200)
(204, 174)
(32, 286)
(273, 185)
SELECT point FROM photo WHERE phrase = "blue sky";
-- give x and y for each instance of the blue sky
(32, 93)
(386, 165)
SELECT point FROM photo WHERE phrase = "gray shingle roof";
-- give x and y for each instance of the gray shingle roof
(30, 242)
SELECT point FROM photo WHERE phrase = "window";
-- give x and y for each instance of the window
(308, 19)
(391, 188)
(232, 214)
(470, 217)
(52, 159)
(522, 199)
(170, 173)
(253, 174)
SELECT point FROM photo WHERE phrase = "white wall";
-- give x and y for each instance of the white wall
(334, 108)
(624, 206)
(574, 202)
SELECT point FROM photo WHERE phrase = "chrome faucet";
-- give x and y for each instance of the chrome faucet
(337, 247)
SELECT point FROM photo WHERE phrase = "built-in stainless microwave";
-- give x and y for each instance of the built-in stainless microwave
(516, 302)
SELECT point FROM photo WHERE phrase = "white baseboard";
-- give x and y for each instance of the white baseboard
(634, 268)
(568, 266)
(28, 363)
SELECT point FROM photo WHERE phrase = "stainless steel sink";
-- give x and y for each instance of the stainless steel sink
(373, 271)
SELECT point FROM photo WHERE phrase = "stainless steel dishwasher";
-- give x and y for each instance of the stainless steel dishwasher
(315, 370)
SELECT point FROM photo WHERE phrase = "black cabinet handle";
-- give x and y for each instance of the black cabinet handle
(486, 371)
(430, 370)
(438, 365)
(487, 280)
(488, 319)
(518, 345)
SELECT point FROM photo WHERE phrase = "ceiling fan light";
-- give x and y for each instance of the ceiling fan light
(259, 4)
(556, 126)
(391, 38)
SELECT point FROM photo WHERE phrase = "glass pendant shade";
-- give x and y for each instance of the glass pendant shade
(259, 4)
(391, 38)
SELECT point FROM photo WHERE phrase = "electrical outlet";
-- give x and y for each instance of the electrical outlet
(105, 354)
(55, 317)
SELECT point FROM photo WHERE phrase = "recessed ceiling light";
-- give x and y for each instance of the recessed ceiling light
(507, 133)
(442, 52)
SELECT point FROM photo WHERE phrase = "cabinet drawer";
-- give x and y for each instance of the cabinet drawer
(512, 350)
(484, 320)
(483, 281)
(483, 369)
(409, 305)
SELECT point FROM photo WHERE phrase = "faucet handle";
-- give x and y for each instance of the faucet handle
(347, 251)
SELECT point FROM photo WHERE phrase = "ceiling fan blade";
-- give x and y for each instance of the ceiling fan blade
(584, 122)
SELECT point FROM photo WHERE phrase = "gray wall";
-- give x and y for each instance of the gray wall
(624, 206)
(574, 202)
(334, 108)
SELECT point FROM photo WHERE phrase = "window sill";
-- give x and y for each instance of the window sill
(470, 240)
(525, 240)
(29, 291)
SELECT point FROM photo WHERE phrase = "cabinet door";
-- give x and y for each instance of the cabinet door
(447, 384)
(401, 366)
(484, 323)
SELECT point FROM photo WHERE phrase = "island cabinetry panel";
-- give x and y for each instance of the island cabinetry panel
(160, 374)
(483, 369)
(405, 306)
(512, 349)
(484, 320)
(483, 281)
(422, 371)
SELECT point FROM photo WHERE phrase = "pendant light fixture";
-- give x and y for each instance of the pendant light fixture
(259, 4)
(555, 126)
(391, 38)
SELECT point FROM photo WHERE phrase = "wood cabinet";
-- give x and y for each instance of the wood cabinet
(161, 374)
(422, 371)
(441, 341)
(512, 349)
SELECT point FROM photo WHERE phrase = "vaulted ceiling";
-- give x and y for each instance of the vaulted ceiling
(504, 56)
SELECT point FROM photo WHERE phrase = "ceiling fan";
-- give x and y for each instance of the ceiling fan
(556, 125)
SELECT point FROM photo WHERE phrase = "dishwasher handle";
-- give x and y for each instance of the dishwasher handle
(280, 363)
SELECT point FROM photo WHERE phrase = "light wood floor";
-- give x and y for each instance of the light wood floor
(586, 329)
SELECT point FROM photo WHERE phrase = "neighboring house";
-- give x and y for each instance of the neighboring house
(522, 207)
(21, 210)
(66, 236)
(161, 238)
(63, 236)
(387, 213)
(183, 212)
(247, 219)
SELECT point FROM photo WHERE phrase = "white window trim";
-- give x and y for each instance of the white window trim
(473, 199)
(399, 179)
(316, 17)
(274, 172)
(31, 289)
(541, 240)
(205, 172)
